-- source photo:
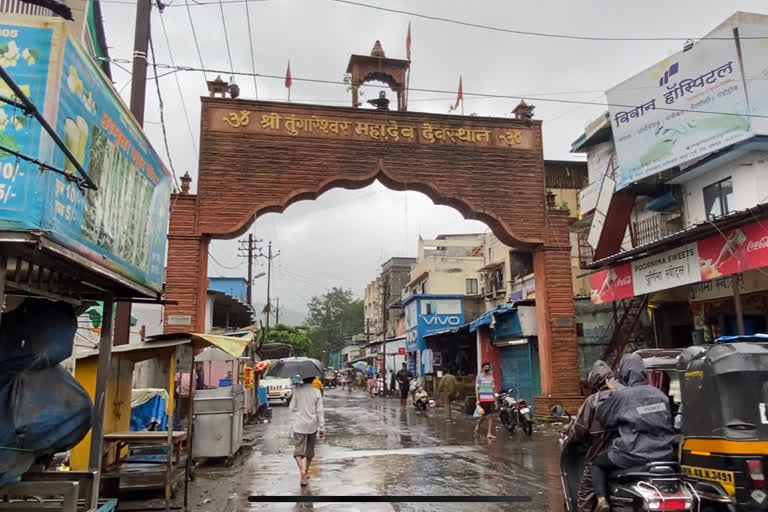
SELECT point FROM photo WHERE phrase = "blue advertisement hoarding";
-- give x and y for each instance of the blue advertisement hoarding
(122, 225)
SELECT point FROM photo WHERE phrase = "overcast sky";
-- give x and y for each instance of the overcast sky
(343, 237)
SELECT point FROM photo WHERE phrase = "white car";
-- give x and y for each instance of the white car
(277, 388)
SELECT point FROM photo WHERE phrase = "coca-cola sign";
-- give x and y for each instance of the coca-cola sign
(719, 255)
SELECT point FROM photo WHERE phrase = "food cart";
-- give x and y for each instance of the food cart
(84, 206)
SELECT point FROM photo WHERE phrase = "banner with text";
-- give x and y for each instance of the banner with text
(741, 249)
(685, 107)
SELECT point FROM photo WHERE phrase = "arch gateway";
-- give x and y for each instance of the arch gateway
(258, 157)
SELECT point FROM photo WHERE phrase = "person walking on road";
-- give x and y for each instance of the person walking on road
(484, 393)
(308, 423)
(403, 378)
(447, 388)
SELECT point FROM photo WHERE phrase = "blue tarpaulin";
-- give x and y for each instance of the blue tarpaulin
(150, 414)
(487, 317)
(749, 337)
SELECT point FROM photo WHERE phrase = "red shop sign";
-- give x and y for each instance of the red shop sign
(401, 351)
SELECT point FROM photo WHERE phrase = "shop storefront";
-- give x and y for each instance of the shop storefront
(705, 286)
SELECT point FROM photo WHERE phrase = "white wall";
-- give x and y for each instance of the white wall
(750, 186)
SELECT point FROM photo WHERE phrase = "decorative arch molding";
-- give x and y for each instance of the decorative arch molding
(261, 157)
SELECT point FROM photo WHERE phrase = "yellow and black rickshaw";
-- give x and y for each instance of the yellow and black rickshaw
(724, 422)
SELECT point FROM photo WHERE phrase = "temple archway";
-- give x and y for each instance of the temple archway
(258, 157)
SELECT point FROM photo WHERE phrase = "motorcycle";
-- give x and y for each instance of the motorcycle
(654, 486)
(420, 397)
(514, 413)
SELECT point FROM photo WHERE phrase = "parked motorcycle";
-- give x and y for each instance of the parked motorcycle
(514, 413)
(420, 397)
(654, 486)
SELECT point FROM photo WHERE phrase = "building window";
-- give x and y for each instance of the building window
(431, 308)
(423, 288)
(471, 286)
(717, 198)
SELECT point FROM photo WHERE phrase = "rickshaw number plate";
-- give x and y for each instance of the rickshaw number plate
(724, 478)
(758, 496)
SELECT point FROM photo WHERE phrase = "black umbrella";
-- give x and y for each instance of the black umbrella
(289, 367)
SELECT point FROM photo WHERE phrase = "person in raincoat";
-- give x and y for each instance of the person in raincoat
(640, 413)
(586, 429)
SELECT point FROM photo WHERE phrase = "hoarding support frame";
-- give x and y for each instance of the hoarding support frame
(30, 108)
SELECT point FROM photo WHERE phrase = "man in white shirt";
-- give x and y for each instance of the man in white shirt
(308, 420)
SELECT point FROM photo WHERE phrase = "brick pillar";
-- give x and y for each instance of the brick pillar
(488, 353)
(187, 269)
(556, 318)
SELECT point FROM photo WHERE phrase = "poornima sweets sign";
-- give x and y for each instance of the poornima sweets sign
(121, 226)
(735, 251)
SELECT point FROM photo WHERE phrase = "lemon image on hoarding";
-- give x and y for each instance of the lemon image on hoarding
(73, 81)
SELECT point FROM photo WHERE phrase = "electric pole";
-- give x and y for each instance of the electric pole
(269, 257)
(246, 249)
(122, 333)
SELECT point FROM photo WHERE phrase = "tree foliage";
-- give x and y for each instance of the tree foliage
(298, 337)
(333, 317)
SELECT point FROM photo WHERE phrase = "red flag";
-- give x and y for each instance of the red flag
(408, 43)
(288, 81)
(459, 96)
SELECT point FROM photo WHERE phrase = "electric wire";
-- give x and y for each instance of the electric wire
(531, 33)
(162, 116)
(178, 85)
(444, 91)
(194, 36)
(226, 37)
(250, 42)
(210, 255)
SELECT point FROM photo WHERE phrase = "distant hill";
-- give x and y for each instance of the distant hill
(287, 316)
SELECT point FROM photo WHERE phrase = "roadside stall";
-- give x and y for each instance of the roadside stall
(218, 416)
(84, 205)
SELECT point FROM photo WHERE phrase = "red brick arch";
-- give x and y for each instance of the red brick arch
(261, 157)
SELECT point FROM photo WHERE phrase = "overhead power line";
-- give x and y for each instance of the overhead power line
(250, 41)
(178, 85)
(210, 255)
(444, 91)
(194, 36)
(226, 36)
(162, 116)
(194, 3)
(528, 32)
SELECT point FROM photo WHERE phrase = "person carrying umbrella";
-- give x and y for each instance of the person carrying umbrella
(306, 407)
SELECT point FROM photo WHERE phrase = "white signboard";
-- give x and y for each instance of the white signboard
(588, 197)
(671, 112)
(668, 269)
(603, 203)
(179, 320)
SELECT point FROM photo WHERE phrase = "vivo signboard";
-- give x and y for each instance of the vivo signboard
(685, 107)
(122, 226)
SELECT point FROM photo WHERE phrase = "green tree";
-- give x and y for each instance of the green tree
(298, 337)
(333, 317)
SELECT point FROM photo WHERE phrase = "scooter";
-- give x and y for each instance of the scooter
(654, 486)
(514, 412)
(420, 397)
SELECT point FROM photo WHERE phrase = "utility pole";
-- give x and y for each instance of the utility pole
(122, 331)
(247, 252)
(269, 257)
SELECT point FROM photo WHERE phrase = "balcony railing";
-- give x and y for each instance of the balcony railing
(654, 228)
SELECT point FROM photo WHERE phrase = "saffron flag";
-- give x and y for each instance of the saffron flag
(408, 43)
(459, 96)
(288, 81)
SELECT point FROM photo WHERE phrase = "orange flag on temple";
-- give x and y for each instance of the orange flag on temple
(288, 81)
(459, 97)
(408, 43)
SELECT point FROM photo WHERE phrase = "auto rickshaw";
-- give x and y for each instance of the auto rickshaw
(724, 451)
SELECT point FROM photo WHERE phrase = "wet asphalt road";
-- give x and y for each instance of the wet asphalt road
(373, 448)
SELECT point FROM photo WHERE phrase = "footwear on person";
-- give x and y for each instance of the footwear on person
(603, 506)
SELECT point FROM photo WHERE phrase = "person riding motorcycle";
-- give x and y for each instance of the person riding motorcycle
(641, 415)
(586, 429)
